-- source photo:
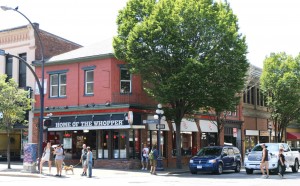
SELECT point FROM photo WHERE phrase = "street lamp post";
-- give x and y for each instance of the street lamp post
(159, 114)
(40, 85)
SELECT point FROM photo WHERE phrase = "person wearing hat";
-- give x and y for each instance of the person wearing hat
(264, 161)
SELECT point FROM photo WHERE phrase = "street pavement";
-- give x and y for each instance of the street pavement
(17, 170)
(168, 177)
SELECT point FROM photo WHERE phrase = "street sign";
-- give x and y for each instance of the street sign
(151, 121)
(161, 126)
(1, 115)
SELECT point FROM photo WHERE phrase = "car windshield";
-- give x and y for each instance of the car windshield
(270, 147)
(209, 152)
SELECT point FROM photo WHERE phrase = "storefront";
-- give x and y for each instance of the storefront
(188, 128)
(110, 136)
(209, 132)
(251, 139)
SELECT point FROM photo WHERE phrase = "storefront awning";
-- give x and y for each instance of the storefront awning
(91, 122)
(293, 135)
(208, 126)
(186, 126)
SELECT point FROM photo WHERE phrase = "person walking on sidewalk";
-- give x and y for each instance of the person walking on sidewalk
(83, 159)
(153, 155)
(281, 163)
(89, 160)
(47, 156)
(145, 155)
(264, 162)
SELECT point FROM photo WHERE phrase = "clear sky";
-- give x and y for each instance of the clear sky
(269, 25)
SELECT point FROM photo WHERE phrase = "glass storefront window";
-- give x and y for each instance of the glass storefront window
(186, 144)
(119, 144)
(102, 144)
(250, 142)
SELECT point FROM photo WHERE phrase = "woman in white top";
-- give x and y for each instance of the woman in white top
(145, 156)
(47, 156)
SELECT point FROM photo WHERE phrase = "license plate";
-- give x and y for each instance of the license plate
(199, 166)
(257, 166)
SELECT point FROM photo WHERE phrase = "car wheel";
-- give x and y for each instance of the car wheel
(220, 168)
(249, 171)
(295, 168)
(238, 167)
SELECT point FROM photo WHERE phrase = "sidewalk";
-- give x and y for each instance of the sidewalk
(18, 171)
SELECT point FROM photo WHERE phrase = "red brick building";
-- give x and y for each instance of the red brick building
(93, 99)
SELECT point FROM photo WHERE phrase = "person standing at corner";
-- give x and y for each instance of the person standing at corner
(89, 160)
(281, 163)
(153, 159)
(83, 159)
(58, 159)
(264, 161)
(145, 154)
(47, 156)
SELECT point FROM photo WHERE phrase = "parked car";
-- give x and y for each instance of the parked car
(215, 159)
(252, 161)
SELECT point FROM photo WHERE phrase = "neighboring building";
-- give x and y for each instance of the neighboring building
(257, 123)
(22, 42)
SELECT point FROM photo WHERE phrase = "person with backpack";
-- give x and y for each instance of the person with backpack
(153, 155)
(83, 159)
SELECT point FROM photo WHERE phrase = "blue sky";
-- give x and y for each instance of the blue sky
(269, 25)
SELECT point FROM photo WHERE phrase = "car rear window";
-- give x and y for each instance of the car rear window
(209, 152)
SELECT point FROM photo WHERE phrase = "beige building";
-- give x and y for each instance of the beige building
(23, 42)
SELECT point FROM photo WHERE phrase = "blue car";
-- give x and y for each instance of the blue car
(215, 159)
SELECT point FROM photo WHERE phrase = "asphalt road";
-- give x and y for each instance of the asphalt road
(143, 178)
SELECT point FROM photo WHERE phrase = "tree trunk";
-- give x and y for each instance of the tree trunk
(178, 146)
(8, 150)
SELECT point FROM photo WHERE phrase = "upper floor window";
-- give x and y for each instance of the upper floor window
(58, 85)
(89, 82)
(125, 81)
(9, 67)
(22, 70)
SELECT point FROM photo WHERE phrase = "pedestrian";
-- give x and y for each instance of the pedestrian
(47, 156)
(89, 160)
(281, 163)
(264, 161)
(58, 160)
(145, 157)
(153, 155)
(83, 159)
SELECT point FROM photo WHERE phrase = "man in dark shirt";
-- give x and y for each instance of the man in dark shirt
(264, 161)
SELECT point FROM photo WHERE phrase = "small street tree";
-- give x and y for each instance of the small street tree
(184, 50)
(13, 104)
(280, 82)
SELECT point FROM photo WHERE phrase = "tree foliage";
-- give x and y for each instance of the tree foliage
(280, 81)
(14, 103)
(188, 52)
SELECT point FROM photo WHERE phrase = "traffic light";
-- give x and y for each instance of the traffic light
(47, 122)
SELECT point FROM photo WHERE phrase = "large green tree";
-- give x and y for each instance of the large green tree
(280, 82)
(14, 103)
(187, 51)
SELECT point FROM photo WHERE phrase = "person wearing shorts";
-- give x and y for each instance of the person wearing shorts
(264, 162)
